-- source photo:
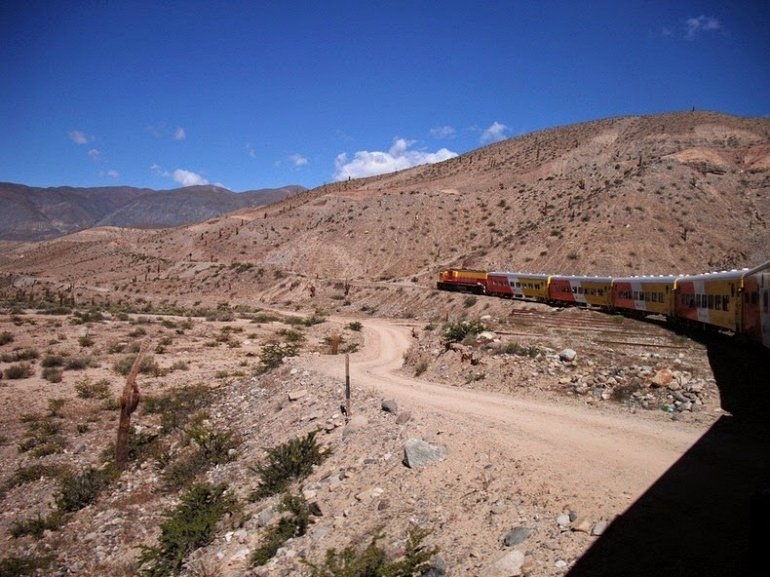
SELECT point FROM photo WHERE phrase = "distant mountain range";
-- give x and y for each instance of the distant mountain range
(30, 213)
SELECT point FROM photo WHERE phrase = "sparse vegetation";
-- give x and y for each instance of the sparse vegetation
(373, 560)
(457, 332)
(19, 371)
(286, 463)
(273, 353)
(190, 525)
(292, 525)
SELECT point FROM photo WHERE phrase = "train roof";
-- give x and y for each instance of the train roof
(647, 278)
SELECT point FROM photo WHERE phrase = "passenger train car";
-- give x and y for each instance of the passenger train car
(737, 301)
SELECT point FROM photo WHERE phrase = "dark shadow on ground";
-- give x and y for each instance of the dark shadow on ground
(696, 520)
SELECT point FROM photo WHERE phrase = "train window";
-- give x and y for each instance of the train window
(710, 301)
(764, 301)
(726, 303)
(755, 298)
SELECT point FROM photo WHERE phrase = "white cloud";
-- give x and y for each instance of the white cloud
(443, 132)
(94, 155)
(495, 133)
(298, 160)
(188, 178)
(179, 134)
(701, 24)
(398, 157)
(250, 150)
(157, 170)
(79, 137)
(112, 173)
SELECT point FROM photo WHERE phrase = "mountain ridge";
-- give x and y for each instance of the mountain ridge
(36, 213)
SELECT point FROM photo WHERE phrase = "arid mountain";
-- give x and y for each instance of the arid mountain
(31, 213)
(671, 193)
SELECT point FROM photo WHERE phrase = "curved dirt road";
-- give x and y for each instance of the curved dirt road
(616, 454)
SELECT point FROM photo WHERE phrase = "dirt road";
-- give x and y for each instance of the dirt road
(616, 454)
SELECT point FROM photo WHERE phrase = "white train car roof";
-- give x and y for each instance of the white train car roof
(646, 278)
(719, 275)
(521, 274)
(581, 278)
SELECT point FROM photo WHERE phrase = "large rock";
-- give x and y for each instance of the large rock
(567, 355)
(509, 565)
(418, 453)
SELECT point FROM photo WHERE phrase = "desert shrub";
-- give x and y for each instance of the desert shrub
(19, 371)
(79, 363)
(263, 318)
(288, 462)
(469, 301)
(78, 491)
(52, 374)
(19, 566)
(85, 340)
(55, 406)
(209, 448)
(272, 355)
(180, 366)
(373, 560)
(293, 525)
(292, 335)
(355, 326)
(190, 525)
(514, 348)
(20, 355)
(458, 331)
(176, 406)
(420, 367)
(147, 365)
(36, 526)
(42, 437)
(29, 474)
(87, 390)
(52, 361)
(6, 337)
(314, 319)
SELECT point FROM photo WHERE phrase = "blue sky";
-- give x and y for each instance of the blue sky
(267, 93)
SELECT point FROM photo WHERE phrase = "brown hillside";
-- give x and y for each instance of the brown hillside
(670, 193)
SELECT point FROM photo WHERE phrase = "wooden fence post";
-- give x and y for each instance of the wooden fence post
(347, 387)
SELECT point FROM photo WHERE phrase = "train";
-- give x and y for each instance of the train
(737, 301)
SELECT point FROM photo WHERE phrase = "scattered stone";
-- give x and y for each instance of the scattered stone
(437, 568)
(486, 336)
(563, 521)
(567, 355)
(297, 395)
(509, 565)
(369, 494)
(403, 418)
(582, 526)
(418, 453)
(389, 406)
(515, 536)
(599, 528)
(662, 378)
(498, 507)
